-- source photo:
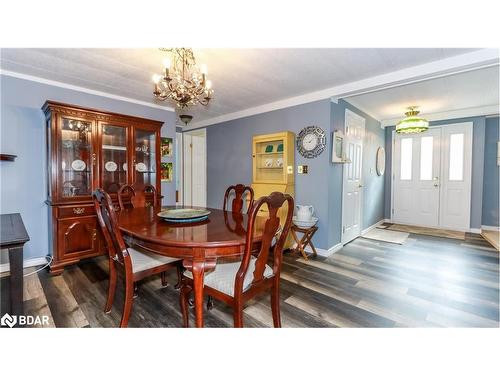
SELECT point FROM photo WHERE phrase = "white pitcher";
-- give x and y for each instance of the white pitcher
(304, 213)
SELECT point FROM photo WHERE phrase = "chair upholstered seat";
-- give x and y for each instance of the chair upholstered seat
(223, 277)
(142, 261)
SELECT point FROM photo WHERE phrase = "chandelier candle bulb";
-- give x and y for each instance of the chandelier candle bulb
(166, 63)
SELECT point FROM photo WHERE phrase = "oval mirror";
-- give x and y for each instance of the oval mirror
(380, 161)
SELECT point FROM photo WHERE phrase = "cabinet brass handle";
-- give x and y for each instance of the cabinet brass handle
(78, 210)
(94, 234)
(94, 158)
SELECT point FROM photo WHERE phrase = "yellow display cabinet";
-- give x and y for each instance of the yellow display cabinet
(273, 166)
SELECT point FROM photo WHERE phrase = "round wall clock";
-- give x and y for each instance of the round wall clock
(311, 141)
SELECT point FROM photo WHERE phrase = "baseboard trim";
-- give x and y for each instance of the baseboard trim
(5, 267)
(324, 252)
(366, 230)
(489, 227)
(474, 230)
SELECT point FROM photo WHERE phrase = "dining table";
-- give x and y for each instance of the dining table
(200, 245)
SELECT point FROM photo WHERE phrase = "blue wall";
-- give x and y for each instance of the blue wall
(491, 175)
(22, 132)
(229, 156)
(229, 161)
(478, 140)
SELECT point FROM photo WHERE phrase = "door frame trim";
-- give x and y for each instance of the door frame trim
(179, 167)
(344, 180)
(204, 131)
(392, 177)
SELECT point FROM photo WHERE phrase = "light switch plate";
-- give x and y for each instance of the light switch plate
(299, 169)
(302, 169)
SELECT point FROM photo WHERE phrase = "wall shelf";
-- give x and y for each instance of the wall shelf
(7, 157)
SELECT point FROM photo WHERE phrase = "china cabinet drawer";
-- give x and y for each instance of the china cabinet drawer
(79, 210)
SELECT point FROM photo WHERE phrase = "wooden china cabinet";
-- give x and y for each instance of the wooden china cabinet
(86, 149)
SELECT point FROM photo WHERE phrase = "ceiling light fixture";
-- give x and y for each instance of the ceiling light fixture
(186, 119)
(182, 80)
(412, 123)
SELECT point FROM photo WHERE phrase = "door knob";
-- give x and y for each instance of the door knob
(360, 185)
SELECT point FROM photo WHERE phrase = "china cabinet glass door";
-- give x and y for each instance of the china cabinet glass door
(114, 165)
(145, 157)
(76, 157)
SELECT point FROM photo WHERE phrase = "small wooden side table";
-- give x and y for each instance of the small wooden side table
(306, 239)
(13, 236)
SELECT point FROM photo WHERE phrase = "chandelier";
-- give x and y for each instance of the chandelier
(412, 123)
(182, 80)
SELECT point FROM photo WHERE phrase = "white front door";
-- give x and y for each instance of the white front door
(432, 177)
(456, 176)
(195, 168)
(352, 182)
(416, 178)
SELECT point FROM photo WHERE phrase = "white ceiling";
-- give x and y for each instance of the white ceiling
(246, 78)
(472, 89)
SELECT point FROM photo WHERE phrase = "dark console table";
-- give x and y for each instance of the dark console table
(13, 236)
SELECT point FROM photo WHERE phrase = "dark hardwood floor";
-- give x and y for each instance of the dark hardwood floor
(427, 282)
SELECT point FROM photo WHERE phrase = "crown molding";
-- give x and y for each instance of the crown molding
(68, 86)
(488, 110)
(471, 61)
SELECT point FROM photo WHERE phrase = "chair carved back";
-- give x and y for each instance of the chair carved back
(270, 229)
(238, 203)
(129, 197)
(106, 216)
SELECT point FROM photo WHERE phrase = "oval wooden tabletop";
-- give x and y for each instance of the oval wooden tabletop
(219, 230)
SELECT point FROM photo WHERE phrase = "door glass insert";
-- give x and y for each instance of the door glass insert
(145, 157)
(456, 167)
(76, 157)
(406, 158)
(114, 157)
(426, 158)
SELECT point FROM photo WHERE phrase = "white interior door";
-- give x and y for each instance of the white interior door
(195, 168)
(352, 196)
(416, 178)
(456, 176)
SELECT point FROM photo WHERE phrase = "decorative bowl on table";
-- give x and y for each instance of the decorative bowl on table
(304, 224)
(184, 215)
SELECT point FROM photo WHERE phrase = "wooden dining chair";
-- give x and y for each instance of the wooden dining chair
(238, 203)
(136, 264)
(236, 208)
(129, 197)
(237, 282)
